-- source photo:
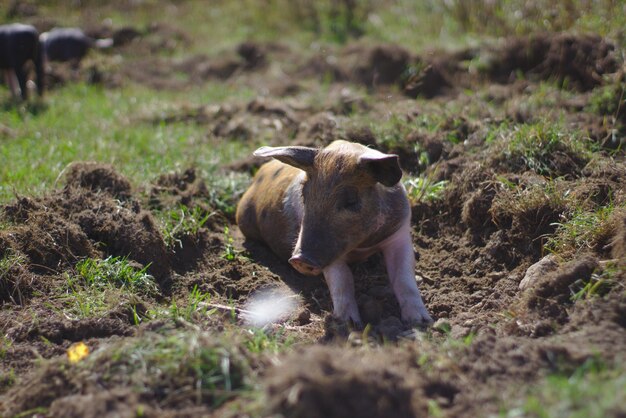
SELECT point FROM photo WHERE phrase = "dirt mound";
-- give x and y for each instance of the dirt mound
(552, 293)
(124, 231)
(318, 130)
(208, 368)
(574, 61)
(244, 60)
(46, 241)
(123, 403)
(57, 331)
(254, 54)
(93, 215)
(247, 164)
(261, 118)
(179, 188)
(97, 177)
(16, 282)
(121, 36)
(618, 244)
(163, 37)
(381, 64)
(59, 74)
(49, 241)
(581, 60)
(187, 195)
(202, 67)
(330, 382)
(410, 379)
(362, 64)
(436, 73)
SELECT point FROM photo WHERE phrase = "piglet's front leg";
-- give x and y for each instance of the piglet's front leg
(400, 263)
(341, 285)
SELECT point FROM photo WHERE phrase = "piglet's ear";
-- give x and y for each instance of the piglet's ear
(384, 168)
(300, 157)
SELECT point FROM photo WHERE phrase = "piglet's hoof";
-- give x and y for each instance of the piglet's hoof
(338, 328)
(355, 325)
(421, 320)
(349, 323)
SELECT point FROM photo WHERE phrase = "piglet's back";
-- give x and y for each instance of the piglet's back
(260, 213)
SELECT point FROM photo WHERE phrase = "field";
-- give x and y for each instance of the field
(127, 290)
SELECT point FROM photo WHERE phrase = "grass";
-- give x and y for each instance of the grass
(393, 131)
(523, 17)
(599, 284)
(88, 123)
(541, 146)
(418, 25)
(9, 260)
(5, 345)
(10, 286)
(265, 341)
(584, 231)
(181, 221)
(116, 271)
(609, 100)
(591, 391)
(81, 303)
(424, 189)
(196, 306)
(530, 206)
(98, 286)
(230, 253)
(225, 190)
(212, 370)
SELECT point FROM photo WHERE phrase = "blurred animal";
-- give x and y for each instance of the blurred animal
(69, 44)
(325, 208)
(19, 44)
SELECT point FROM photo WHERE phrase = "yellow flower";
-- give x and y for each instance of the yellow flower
(77, 352)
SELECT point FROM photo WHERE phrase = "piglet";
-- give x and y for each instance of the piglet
(323, 209)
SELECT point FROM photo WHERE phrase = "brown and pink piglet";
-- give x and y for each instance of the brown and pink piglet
(323, 209)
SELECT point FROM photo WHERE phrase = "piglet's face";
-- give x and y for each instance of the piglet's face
(341, 197)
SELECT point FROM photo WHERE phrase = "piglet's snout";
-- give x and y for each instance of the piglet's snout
(305, 265)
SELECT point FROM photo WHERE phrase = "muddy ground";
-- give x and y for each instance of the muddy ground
(473, 244)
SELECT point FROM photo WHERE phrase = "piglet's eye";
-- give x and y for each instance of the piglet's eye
(349, 199)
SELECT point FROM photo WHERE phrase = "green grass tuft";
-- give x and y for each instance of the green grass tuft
(591, 391)
(225, 189)
(9, 260)
(599, 284)
(583, 231)
(207, 368)
(546, 149)
(98, 286)
(230, 253)
(116, 271)
(424, 189)
(182, 221)
(264, 341)
(608, 100)
(196, 306)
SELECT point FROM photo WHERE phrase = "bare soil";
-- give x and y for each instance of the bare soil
(473, 246)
